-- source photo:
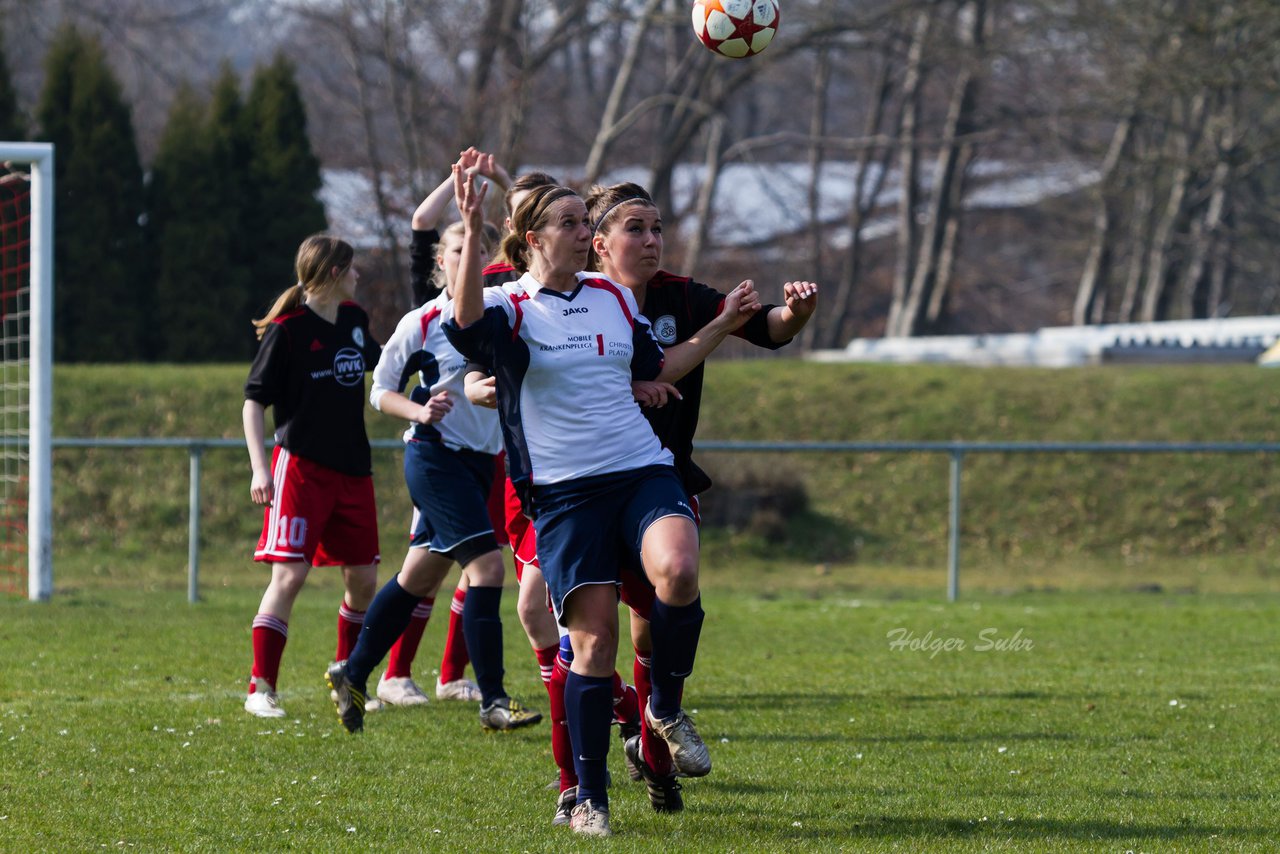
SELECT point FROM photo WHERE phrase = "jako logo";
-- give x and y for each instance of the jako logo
(348, 366)
(569, 311)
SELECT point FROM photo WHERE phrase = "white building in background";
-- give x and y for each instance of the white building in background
(754, 203)
(1228, 339)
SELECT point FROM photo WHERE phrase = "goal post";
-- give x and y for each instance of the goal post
(26, 269)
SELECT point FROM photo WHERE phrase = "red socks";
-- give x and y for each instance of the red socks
(270, 633)
(403, 651)
(453, 664)
(652, 746)
(561, 748)
(350, 622)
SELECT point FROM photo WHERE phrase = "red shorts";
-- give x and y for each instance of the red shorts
(497, 498)
(318, 516)
(520, 535)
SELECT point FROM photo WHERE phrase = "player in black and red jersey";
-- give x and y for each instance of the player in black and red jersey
(318, 488)
(627, 247)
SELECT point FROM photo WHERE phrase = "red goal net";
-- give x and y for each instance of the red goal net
(15, 378)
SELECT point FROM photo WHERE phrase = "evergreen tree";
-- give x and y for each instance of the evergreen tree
(285, 176)
(229, 152)
(11, 124)
(102, 280)
(187, 239)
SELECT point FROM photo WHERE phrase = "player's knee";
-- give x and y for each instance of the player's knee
(486, 570)
(287, 579)
(676, 577)
(596, 652)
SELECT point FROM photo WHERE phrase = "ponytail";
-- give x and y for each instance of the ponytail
(290, 298)
(318, 258)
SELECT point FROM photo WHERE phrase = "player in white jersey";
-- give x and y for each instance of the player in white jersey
(449, 468)
(564, 348)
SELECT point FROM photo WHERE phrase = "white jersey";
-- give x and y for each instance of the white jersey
(419, 346)
(564, 364)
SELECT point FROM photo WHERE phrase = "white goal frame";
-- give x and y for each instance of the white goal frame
(39, 156)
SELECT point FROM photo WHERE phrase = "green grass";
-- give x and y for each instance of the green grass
(1133, 722)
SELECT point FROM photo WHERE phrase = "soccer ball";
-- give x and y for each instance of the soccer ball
(735, 28)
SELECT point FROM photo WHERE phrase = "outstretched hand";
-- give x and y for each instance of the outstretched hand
(475, 160)
(802, 298)
(469, 195)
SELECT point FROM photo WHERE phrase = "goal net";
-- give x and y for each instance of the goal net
(26, 279)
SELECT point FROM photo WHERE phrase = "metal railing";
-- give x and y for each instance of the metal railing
(956, 451)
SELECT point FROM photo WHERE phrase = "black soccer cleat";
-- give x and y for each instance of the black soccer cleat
(349, 699)
(664, 792)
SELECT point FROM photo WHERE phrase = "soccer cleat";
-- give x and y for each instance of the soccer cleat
(629, 721)
(633, 770)
(688, 753)
(263, 702)
(458, 689)
(505, 714)
(590, 820)
(664, 792)
(565, 803)
(400, 691)
(349, 699)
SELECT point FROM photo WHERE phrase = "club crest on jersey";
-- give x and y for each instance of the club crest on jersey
(664, 329)
(348, 366)
(357, 335)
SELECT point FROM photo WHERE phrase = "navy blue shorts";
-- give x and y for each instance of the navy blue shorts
(450, 492)
(585, 525)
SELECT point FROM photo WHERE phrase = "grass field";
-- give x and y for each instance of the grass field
(1116, 689)
(1096, 722)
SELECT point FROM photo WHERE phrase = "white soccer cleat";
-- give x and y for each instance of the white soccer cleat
(688, 753)
(400, 691)
(458, 689)
(263, 702)
(590, 820)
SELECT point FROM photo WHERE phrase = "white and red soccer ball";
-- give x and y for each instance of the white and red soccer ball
(735, 28)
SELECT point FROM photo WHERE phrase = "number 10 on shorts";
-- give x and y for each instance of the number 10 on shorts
(290, 532)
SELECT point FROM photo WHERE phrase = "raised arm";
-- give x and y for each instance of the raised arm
(739, 305)
(468, 295)
(428, 214)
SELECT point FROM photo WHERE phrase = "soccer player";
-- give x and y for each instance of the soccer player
(427, 276)
(449, 467)
(550, 643)
(627, 248)
(318, 488)
(564, 347)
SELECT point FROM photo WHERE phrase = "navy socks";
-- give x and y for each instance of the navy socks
(675, 630)
(482, 627)
(384, 622)
(588, 703)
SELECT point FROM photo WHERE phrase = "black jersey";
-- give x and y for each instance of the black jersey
(678, 307)
(311, 373)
